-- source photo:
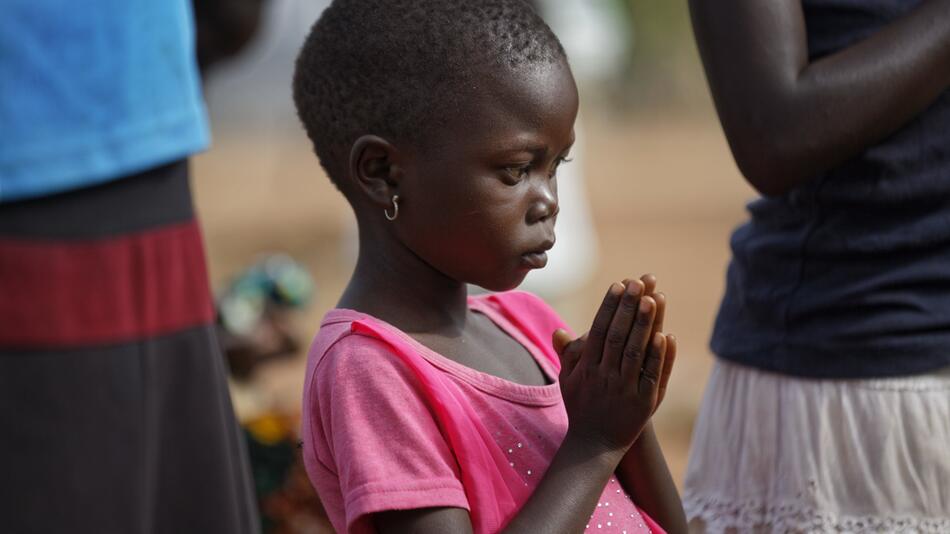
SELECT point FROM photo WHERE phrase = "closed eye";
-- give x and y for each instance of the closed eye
(517, 174)
(557, 164)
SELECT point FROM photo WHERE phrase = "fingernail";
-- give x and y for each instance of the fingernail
(616, 289)
(646, 305)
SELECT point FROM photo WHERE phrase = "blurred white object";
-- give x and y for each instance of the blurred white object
(595, 37)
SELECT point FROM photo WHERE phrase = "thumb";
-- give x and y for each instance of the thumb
(560, 339)
(569, 350)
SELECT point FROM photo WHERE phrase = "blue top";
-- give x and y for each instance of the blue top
(92, 91)
(849, 275)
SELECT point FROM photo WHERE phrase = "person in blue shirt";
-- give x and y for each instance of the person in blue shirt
(114, 404)
(828, 408)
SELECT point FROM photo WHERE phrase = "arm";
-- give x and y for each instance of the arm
(644, 474)
(562, 502)
(787, 119)
(609, 385)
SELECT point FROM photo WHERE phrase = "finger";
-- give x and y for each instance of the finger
(660, 299)
(649, 282)
(668, 360)
(570, 355)
(559, 340)
(635, 350)
(652, 367)
(620, 326)
(598, 329)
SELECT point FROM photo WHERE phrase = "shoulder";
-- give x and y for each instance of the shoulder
(341, 355)
(356, 379)
(529, 315)
(516, 301)
(368, 421)
(524, 308)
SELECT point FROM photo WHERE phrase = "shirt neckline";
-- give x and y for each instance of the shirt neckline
(545, 395)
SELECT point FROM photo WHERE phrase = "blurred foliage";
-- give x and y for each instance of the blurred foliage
(662, 68)
(661, 28)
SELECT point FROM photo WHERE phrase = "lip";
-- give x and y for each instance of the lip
(535, 260)
(538, 257)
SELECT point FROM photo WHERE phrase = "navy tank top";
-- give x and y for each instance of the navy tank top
(848, 276)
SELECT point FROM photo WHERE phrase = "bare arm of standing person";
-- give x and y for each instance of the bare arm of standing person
(610, 390)
(788, 119)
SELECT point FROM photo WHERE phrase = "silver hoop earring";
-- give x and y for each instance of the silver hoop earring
(395, 209)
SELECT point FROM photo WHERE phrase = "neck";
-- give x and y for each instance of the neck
(393, 284)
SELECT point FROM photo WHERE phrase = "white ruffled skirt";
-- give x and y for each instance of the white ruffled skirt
(774, 453)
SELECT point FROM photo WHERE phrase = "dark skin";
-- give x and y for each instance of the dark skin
(470, 211)
(648, 481)
(643, 472)
(789, 119)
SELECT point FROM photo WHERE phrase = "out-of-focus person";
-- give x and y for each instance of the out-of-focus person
(113, 399)
(828, 408)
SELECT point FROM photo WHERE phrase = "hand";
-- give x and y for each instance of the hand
(610, 378)
(563, 341)
(649, 281)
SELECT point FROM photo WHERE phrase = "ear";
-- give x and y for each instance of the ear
(374, 170)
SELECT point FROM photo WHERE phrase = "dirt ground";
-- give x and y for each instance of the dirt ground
(665, 196)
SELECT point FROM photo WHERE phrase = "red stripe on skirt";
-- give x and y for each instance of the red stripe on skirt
(72, 293)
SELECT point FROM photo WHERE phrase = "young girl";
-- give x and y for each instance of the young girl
(443, 124)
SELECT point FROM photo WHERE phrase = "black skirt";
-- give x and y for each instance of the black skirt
(114, 409)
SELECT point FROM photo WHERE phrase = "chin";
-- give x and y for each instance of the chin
(498, 286)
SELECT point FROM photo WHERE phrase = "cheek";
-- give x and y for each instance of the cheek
(430, 203)
(464, 218)
(496, 217)
(478, 207)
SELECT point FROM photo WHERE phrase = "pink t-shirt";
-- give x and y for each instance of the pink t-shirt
(389, 424)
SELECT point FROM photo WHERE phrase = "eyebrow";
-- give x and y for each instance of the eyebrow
(534, 148)
(530, 148)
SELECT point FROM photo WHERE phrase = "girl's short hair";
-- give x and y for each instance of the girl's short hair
(398, 68)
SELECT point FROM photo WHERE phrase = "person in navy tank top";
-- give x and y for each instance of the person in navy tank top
(828, 408)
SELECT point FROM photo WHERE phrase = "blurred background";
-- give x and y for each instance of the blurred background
(653, 188)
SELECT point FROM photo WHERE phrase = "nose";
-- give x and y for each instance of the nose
(544, 203)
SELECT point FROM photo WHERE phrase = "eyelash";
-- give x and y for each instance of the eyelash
(520, 173)
(562, 161)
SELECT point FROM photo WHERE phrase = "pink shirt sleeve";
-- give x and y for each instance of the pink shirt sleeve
(378, 435)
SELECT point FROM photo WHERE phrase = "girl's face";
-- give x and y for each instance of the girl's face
(479, 203)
